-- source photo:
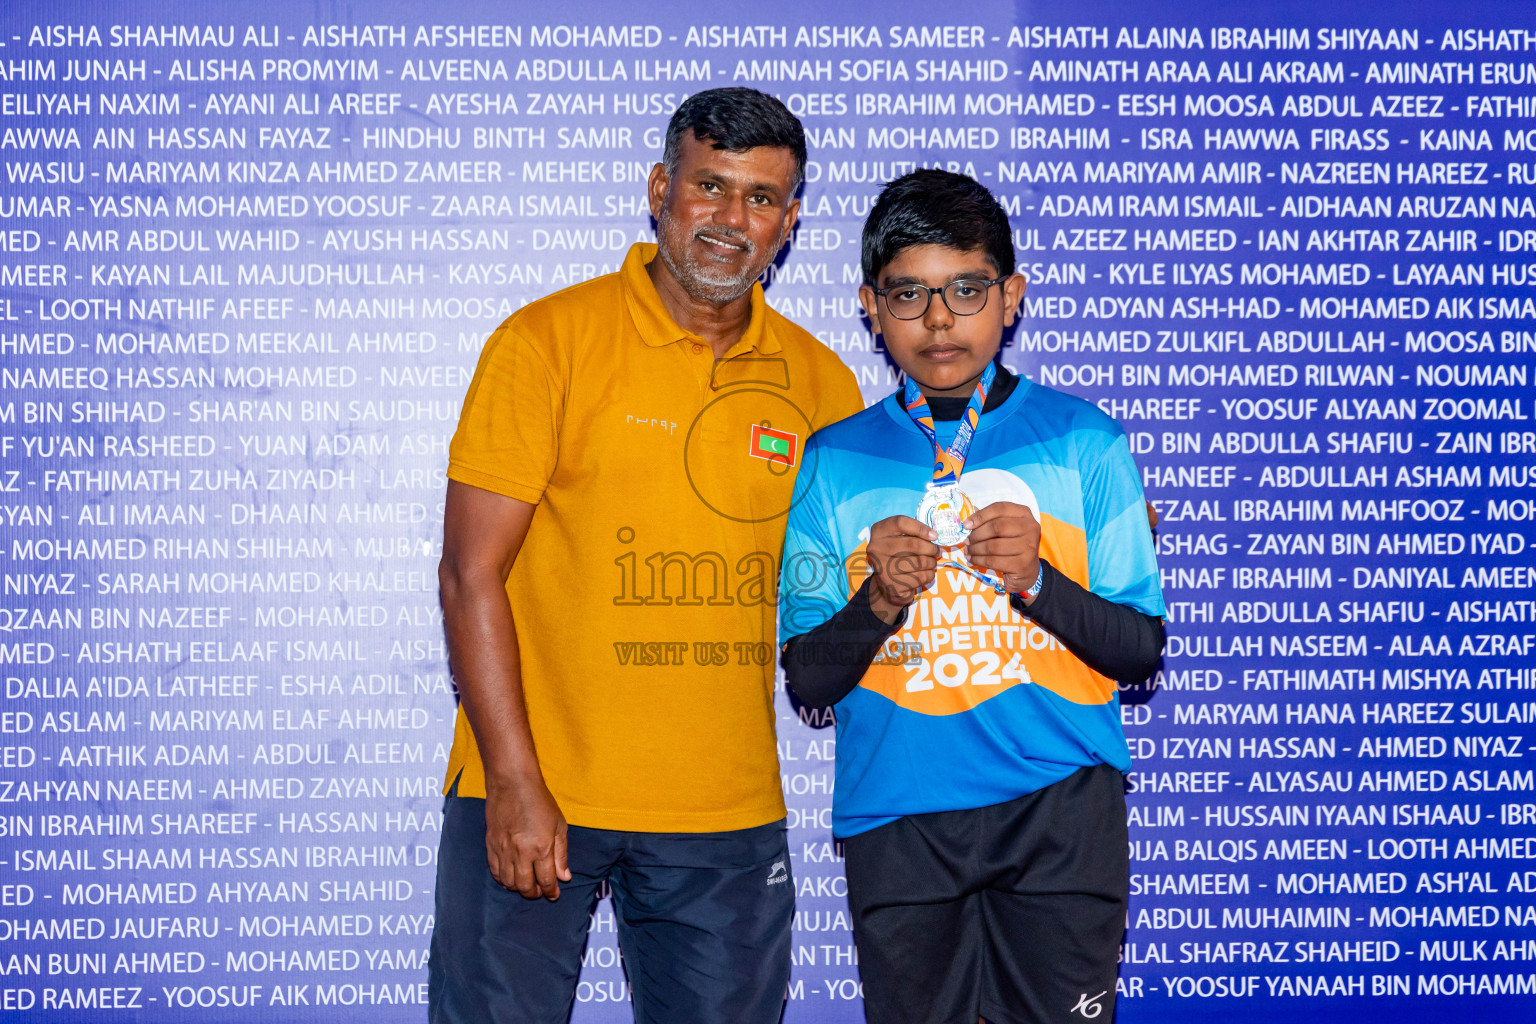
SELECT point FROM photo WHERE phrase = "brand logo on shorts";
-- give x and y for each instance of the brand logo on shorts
(778, 873)
(1089, 1007)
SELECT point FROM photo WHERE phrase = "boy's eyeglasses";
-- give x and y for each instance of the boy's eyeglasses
(965, 297)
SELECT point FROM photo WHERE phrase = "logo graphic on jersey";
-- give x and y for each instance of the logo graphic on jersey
(774, 445)
(778, 873)
(1089, 1007)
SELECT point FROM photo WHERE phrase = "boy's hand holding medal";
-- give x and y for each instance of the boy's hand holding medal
(903, 560)
(1005, 538)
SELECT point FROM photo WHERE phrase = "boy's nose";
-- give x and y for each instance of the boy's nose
(938, 317)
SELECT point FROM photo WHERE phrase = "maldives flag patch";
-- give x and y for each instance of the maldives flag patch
(774, 445)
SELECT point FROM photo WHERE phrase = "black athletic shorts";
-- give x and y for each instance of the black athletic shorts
(703, 922)
(1013, 912)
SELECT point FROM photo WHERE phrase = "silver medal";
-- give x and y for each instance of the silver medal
(944, 508)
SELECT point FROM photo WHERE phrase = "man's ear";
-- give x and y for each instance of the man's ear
(791, 218)
(656, 188)
(1013, 294)
(871, 303)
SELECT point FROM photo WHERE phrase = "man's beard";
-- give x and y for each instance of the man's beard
(709, 282)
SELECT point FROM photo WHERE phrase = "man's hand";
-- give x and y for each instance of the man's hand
(1005, 538)
(903, 560)
(525, 838)
(524, 829)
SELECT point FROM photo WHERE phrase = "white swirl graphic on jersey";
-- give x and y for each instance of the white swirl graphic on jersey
(984, 486)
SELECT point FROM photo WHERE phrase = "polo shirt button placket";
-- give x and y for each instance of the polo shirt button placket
(704, 376)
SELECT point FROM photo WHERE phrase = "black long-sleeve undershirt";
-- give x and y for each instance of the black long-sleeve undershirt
(1114, 640)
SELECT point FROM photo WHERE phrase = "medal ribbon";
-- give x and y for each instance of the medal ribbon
(949, 463)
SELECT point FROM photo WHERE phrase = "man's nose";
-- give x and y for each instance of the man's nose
(732, 212)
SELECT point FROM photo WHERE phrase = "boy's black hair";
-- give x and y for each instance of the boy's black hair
(736, 119)
(934, 207)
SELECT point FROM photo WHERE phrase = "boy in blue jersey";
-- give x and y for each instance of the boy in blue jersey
(966, 576)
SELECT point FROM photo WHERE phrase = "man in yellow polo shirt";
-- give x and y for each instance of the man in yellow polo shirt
(618, 492)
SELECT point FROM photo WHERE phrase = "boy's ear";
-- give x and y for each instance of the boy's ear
(871, 303)
(1013, 294)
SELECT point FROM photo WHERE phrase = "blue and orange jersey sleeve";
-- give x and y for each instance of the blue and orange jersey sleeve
(1122, 566)
(813, 582)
